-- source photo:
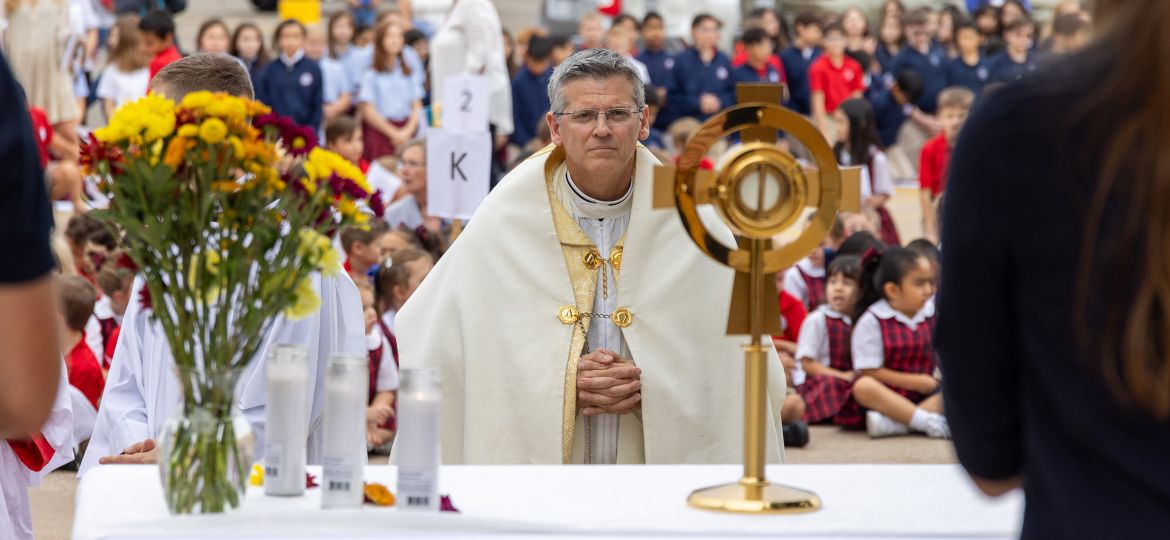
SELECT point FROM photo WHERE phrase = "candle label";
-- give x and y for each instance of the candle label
(338, 474)
(417, 488)
(273, 453)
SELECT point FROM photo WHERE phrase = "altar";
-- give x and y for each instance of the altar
(860, 501)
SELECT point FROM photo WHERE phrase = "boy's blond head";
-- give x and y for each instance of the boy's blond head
(956, 97)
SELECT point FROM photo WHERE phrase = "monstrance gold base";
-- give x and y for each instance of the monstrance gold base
(754, 499)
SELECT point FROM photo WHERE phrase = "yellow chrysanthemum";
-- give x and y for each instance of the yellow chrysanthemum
(237, 147)
(309, 185)
(213, 131)
(143, 121)
(107, 134)
(275, 184)
(197, 101)
(305, 303)
(255, 108)
(227, 107)
(189, 131)
(317, 249)
(322, 163)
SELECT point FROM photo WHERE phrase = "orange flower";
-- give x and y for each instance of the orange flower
(176, 151)
(226, 186)
(378, 494)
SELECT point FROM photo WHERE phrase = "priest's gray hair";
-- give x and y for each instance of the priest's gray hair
(598, 64)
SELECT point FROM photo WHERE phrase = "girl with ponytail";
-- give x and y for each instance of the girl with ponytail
(893, 350)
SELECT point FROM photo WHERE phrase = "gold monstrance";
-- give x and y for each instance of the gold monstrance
(760, 192)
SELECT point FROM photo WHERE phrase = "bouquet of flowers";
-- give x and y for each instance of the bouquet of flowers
(227, 210)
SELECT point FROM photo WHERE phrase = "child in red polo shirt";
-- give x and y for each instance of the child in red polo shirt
(157, 30)
(953, 105)
(76, 301)
(833, 78)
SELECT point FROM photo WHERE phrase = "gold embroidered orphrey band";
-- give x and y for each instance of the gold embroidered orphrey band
(582, 258)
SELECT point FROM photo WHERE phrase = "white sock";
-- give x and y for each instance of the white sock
(921, 420)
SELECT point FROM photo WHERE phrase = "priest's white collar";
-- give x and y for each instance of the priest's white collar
(591, 208)
(882, 310)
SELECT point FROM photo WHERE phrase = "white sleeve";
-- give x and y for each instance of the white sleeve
(868, 350)
(367, 90)
(58, 429)
(122, 417)
(105, 87)
(388, 371)
(882, 183)
(813, 340)
(93, 337)
(795, 285)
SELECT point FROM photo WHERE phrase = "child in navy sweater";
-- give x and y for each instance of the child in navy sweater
(292, 83)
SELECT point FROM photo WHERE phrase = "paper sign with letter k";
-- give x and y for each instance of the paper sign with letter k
(458, 171)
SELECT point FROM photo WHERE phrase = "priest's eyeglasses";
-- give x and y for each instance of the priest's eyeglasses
(613, 117)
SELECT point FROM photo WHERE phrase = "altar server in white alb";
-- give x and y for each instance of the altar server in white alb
(571, 322)
(26, 461)
(142, 390)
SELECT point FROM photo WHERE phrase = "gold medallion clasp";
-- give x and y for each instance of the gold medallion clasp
(622, 318)
(568, 315)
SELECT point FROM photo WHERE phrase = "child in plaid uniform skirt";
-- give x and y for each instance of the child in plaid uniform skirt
(824, 350)
(893, 350)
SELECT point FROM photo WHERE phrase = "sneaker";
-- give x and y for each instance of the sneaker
(796, 434)
(879, 425)
(937, 427)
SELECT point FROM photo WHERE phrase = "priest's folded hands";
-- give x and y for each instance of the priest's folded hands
(608, 384)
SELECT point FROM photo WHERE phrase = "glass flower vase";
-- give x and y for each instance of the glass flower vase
(206, 446)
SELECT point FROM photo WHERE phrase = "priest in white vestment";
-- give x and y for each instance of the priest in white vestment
(571, 322)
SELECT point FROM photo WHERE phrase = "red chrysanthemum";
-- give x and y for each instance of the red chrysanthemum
(376, 204)
(299, 140)
(94, 152)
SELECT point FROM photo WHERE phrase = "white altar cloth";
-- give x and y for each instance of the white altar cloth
(860, 501)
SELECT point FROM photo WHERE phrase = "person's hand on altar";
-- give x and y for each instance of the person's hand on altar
(143, 453)
(607, 384)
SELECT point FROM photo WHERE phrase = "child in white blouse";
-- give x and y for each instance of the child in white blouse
(893, 351)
